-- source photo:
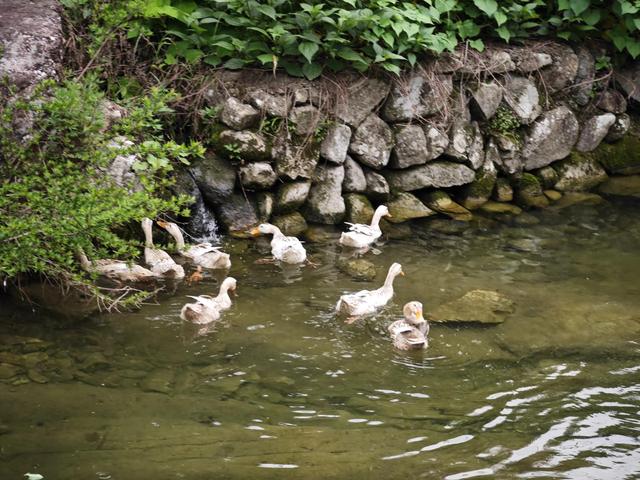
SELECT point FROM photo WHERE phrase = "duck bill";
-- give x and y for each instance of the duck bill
(162, 223)
(401, 273)
(254, 232)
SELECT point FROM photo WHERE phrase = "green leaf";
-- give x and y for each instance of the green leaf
(500, 17)
(489, 7)
(234, 63)
(579, 6)
(348, 53)
(477, 44)
(391, 68)
(592, 16)
(633, 47)
(504, 33)
(267, 10)
(411, 58)
(308, 50)
(311, 70)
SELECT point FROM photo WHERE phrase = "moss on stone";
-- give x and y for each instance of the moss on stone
(529, 181)
(622, 157)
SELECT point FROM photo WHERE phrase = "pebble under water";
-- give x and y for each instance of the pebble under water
(281, 388)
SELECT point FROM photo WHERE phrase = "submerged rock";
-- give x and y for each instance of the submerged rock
(573, 198)
(500, 207)
(441, 202)
(322, 234)
(476, 306)
(628, 186)
(358, 268)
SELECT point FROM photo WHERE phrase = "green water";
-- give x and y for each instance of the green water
(283, 389)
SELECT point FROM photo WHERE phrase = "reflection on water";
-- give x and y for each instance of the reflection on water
(280, 388)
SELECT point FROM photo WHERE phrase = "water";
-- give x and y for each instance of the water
(283, 389)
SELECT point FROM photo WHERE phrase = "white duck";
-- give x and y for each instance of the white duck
(208, 309)
(361, 235)
(118, 270)
(368, 301)
(410, 333)
(160, 261)
(285, 249)
(203, 254)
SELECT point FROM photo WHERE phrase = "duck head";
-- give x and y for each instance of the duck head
(413, 312)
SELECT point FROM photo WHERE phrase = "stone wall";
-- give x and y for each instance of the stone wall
(467, 133)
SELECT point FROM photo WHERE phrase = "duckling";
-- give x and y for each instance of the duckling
(285, 249)
(368, 301)
(196, 276)
(361, 235)
(203, 254)
(160, 261)
(410, 333)
(207, 309)
(117, 270)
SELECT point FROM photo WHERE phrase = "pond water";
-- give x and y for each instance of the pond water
(281, 388)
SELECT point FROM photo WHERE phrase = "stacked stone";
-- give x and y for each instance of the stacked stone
(429, 143)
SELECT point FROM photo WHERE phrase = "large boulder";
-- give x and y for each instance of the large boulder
(404, 206)
(214, 176)
(466, 143)
(593, 131)
(335, 145)
(325, 203)
(360, 100)
(562, 72)
(522, 96)
(437, 142)
(237, 214)
(578, 173)
(441, 202)
(272, 105)
(358, 208)
(529, 192)
(372, 142)
(434, 174)
(410, 148)
(619, 129)
(304, 119)
(291, 196)
(377, 186)
(238, 115)
(620, 158)
(292, 223)
(244, 145)
(476, 306)
(294, 159)
(485, 100)
(551, 138)
(354, 178)
(416, 97)
(31, 42)
(257, 175)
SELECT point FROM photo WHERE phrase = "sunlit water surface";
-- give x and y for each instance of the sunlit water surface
(283, 389)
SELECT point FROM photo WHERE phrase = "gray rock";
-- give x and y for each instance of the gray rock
(434, 174)
(476, 306)
(325, 203)
(466, 143)
(305, 119)
(585, 76)
(238, 115)
(405, 206)
(628, 186)
(247, 145)
(578, 173)
(478, 192)
(593, 131)
(292, 223)
(410, 148)
(201, 223)
(522, 96)
(360, 100)
(214, 176)
(611, 101)
(354, 178)
(112, 113)
(527, 60)
(257, 175)
(437, 142)
(628, 78)
(507, 157)
(32, 42)
(237, 214)
(529, 192)
(294, 159)
(491, 60)
(372, 142)
(502, 191)
(619, 129)
(551, 138)
(357, 268)
(291, 196)
(547, 176)
(562, 72)
(265, 203)
(485, 100)
(272, 105)
(416, 97)
(377, 186)
(335, 145)
(441, 202)
(358, 208)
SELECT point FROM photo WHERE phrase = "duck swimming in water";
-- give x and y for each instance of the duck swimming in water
(283, 248)
(159, 261)
(202, 254)
(117, 270)
(361, 235)
(411, 332)
(207, 309)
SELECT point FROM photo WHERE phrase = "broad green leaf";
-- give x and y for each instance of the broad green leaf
(591, 16)
(265, 58)
(391, 68)
(311, 70)
(348, 53)
(477, 44)
(579, 6)
(633, 47)
(504, 33)
(234, 64)
(308, 50)
(500, 17)
(489, 7)
(267, 10)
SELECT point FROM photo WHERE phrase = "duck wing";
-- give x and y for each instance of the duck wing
(360, 228)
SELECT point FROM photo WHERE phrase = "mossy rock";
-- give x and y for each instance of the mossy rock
(502, 192)
(476, 306)
(553, 195)
(441, 202)
(573, 198)
(479, 191)
(622, 186)
(395, 231)
(529, 192)
(321, 234)
(547, 176)
(500, 208)
(358, 208)
(358, 268)
(292, 224)
(405, 206)
(622, 157)
(579, 172)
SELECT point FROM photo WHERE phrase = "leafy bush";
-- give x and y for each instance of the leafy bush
(306, 37)
(54, 193)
